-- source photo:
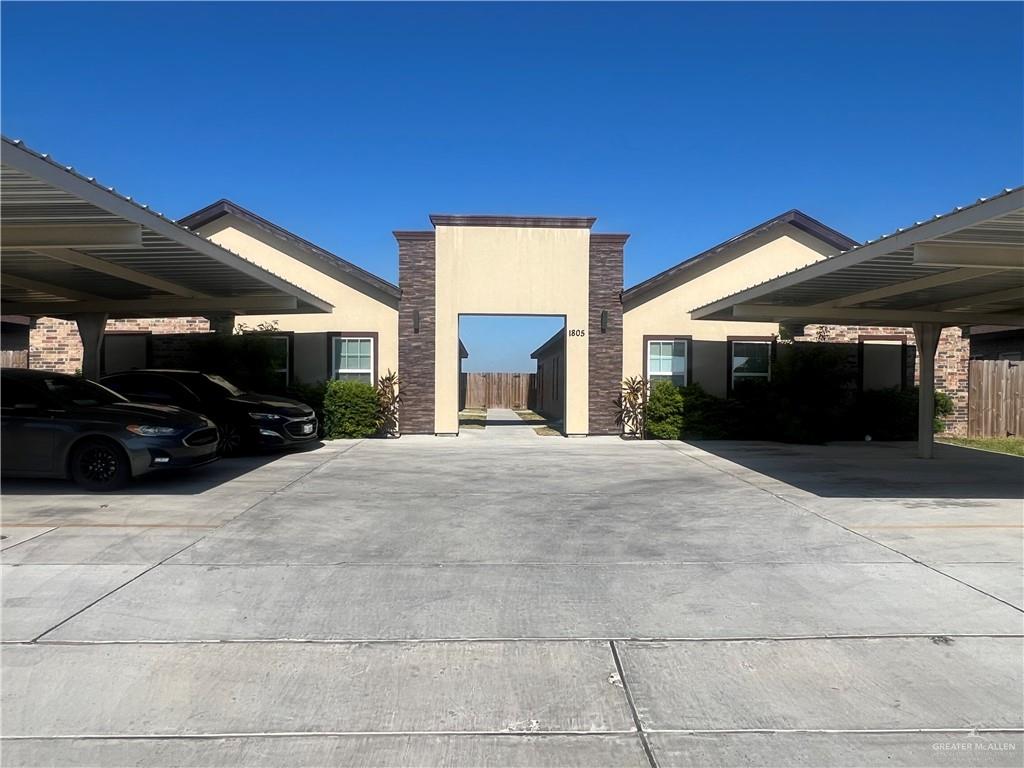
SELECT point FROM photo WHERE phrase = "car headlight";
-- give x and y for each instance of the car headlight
(148, 430)
(264, 416)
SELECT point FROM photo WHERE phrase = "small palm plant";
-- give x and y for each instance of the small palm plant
(632, 405)
(388, 401)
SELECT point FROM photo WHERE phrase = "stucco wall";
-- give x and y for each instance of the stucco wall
(666, 311)
(512, 271)
(356, 309)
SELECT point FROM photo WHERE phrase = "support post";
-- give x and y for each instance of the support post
(90, 330)
(927, 337)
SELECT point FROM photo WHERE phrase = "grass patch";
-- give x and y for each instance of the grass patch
(473, 418)
(1011, 445)
(541, 425)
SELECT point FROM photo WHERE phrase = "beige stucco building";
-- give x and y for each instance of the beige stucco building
(556, 266)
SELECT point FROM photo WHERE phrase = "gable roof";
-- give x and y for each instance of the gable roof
(540, 351)
(793, 217)
(319, 258)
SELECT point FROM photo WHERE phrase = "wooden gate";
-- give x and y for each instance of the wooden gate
(499, 390)
(14, 358)
(995, 405)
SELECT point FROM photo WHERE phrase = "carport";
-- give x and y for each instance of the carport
(961, 268)
(75, 249)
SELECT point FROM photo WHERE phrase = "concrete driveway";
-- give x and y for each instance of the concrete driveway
(530, 601)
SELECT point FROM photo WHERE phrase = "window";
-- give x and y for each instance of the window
(882, 362)
(750, 360)
(280, 355)
(352, 359)
(666, 361)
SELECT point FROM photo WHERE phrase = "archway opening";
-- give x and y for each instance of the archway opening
(512, 373)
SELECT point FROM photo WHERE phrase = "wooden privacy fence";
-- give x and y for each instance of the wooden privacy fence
(14, 358)
(498, 390)
(995, 404)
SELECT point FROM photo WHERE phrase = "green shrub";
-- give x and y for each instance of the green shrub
(943, 409)
(891, 414)
(887, 414)
(664, 411)
(350, 410)
(706, 417)
(313, 396)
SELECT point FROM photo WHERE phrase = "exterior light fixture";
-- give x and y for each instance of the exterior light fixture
(415, 321)
(604, 321)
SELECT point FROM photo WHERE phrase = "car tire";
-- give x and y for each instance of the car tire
(230, 443)
(100, 465)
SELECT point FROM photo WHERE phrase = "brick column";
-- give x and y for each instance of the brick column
(416, 328)
(605, 346)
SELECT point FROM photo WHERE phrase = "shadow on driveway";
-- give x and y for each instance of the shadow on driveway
(879, 470)
(165, 482)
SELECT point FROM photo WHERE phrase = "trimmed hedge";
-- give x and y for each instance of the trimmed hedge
(350, 410)
(664, 411)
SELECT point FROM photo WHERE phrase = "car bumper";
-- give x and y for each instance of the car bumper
(282, 434)
(151, 454)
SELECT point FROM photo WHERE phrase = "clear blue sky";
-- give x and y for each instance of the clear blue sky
(682, 124)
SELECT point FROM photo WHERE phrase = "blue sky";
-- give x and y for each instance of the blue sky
(682, 124)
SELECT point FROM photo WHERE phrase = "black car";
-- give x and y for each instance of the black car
(246, 420)
(54, 425)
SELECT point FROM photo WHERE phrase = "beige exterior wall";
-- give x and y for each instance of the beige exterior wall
(512, 271)
(666, 311)
(355, 310)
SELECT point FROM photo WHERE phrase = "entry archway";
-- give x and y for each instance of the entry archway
(509, 265)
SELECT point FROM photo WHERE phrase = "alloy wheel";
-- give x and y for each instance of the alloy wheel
(98, 463)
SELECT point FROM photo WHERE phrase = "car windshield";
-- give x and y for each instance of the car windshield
(210, 385)
(80, 392)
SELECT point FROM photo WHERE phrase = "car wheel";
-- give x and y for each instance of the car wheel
(99, 465)
(230, 440)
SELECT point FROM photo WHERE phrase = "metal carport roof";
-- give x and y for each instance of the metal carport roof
(965, 267)
(71, 246)
(962, 268)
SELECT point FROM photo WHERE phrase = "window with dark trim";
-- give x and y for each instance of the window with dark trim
(750, 360)
(667, 360)
(352, 358)
(281, 357)
(881, 361)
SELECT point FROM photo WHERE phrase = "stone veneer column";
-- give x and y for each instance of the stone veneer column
(416, 348)
(605, 348)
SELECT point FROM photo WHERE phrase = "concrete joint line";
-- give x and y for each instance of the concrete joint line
(293, 734)
(850, 530)
(632, 706)
(715, 731)
(30, 538)
(187, 546)
(491, 640)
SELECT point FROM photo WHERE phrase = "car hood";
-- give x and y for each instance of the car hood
(159, 415)
(283, 406)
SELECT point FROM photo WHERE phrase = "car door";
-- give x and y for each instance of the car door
(26, 429)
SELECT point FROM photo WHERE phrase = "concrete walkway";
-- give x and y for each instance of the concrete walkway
(475, 602)
(503, 424)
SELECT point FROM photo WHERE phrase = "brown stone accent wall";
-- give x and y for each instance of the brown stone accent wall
(952, 360)
(54, 344)
(416, 270)
(605, 365)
